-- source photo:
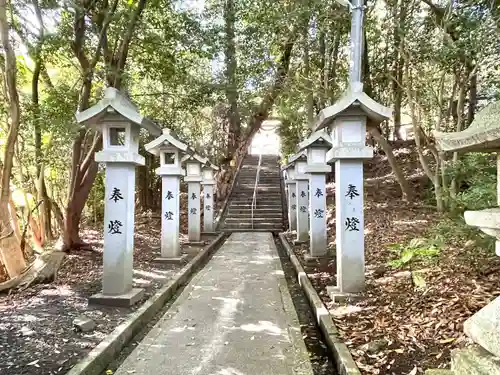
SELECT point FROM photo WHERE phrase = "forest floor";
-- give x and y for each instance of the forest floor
(36, 325)
(399, 326)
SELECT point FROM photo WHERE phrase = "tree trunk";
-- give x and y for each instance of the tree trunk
(308, 80)
(83, 168)
(400, 19)
(10, 251)
(472, 98)
(403, 183)
(322, 64)
(459, 125)
(234, 121)
(44, 209)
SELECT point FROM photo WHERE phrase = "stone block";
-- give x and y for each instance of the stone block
(171, 260)
(342, 297)
(121, 300)
(195, 243)
(474, 360)
(438, 371)
(316, 260)
(484, 327)
(83, 323)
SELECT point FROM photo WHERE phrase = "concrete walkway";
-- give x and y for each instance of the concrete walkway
(235, 317)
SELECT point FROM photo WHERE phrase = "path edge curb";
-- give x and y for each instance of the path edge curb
(109, 348)
(343, 359)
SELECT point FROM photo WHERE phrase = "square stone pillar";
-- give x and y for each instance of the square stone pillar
(118, 258)
(170, 218)
(208, 198)
(302, 210)
(208, 209)
(119, 210)
(348, 157)
(194, 217)
(317, 203)
(350, 239)
(292, 204)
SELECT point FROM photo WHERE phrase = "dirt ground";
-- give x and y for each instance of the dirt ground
(36, 331)
(399, 328)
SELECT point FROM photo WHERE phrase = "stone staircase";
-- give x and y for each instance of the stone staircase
(483, 357)
(268, 213)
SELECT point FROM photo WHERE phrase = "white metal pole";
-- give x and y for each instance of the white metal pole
(356, 40)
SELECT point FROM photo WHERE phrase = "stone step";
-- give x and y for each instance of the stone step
(248, 205)
(259, 199)
(250, 187)
(269, 226)
(256, 219)
(258, 211)
(267, 181)
(248, 215)
(260, 196)
(474, 360)
(249, 193)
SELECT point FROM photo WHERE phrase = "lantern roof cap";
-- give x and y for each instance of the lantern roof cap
(167, 138)
(294, 158)
(117, 101)
(320, 137)
(483, 134)
(192, 155)
(353, 98)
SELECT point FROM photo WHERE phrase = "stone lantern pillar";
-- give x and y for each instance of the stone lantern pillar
(170, 150)
(193, 178)
(301, 194)
(316, 146)
(347, 120)
(290, 182)
(120, 122)
(208, 183)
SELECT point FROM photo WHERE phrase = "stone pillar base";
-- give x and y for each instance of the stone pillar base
(297, 242)
(121, 300)
(339, 297)
(312, 260)
(195, 243)
(171, 260)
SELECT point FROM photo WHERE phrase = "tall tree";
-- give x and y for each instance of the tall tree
(10, 251)
(85, 144)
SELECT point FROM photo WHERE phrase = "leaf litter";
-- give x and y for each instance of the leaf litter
(420, 314)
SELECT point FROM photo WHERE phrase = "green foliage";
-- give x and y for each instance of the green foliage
(454, 231)
(95, 205)
(476, 174)
(419, 249)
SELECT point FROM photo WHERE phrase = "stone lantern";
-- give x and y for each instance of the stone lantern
(347, 121)
(301, 196)
(120, 122)
(290, 182)
(316, 147)
(194, 177)
(483, 135)
(208, 183)
(170, 150)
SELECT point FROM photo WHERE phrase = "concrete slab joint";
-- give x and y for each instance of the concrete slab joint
(344, 362)
(235, 316)
(109, 349)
